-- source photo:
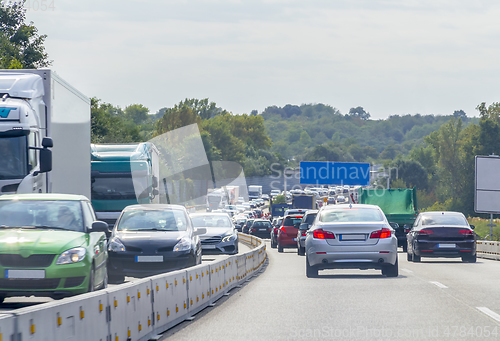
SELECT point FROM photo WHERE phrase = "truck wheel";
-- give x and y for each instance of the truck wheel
(280, 248)
(311, 271)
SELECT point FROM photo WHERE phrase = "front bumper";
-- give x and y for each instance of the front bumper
(128, 264)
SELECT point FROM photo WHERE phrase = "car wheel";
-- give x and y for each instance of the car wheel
(414, 257)
(91, 279)
(311, 271)
(280, 248)
(469, 259)
(405, 247)
(409, 256)
(391, 270)
(301, 251)
(273, 244)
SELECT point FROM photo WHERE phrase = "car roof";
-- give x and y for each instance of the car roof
(216, 214)
(329, 207)
(44, 196)
(441, 212)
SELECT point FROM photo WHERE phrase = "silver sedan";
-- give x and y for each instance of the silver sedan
(351, 236)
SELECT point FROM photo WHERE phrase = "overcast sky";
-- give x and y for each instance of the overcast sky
(388, 56)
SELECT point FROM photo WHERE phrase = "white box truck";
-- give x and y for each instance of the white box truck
(44, 134)
(254, 192)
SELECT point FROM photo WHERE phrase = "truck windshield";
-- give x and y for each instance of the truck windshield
(13, 151)
(117, 188)
(48, 214)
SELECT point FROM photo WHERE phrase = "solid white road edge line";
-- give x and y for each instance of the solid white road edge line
(440, 285)
(490, 313)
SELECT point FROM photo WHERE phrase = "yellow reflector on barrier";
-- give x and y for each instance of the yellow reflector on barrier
(149, 322)
(167, 285)
(148, 291)
(190, 278)
(128, 299)
(158, 317)
(59, 322)
(176, 309)
(100, 306)
(175, 282)
(116, 303)
(82, 314)
(184, 305)
(138, 294)
(197, 276)
(140, 327)
(116, 338)
(183, 281)
(157, 288)
(128, 333)
(197, 300)
(168, 313)
(32, 328)
(191, 302)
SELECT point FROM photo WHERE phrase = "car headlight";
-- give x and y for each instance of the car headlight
(183, 245)
(71, 256)
(115, 245)
(229, 238)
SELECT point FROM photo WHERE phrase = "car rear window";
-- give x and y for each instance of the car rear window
(310, 218)
(261, 224)
(444, 219)
(351, 215)
(292, 221)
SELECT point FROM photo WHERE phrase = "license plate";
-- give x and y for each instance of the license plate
(148, 259)
(352, 237)
(28, 274)
(264, 230)
(447, 246)
(294, 239)
(207, 246)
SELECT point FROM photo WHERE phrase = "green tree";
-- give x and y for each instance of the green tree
(359, 112)
(107, 127)
(20, 44)
(136, 113)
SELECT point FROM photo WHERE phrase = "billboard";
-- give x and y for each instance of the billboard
(487, 191)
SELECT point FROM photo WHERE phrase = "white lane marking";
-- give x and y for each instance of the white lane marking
(440, 285)
(406, 270)
(490, 313)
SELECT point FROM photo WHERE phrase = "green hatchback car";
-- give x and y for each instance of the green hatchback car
(50, 245)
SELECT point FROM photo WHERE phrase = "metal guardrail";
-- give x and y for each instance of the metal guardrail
(138, 310)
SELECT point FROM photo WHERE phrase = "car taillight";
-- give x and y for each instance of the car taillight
(466, 232)
(381, 234)
(321, 234)
(253, 230)
(425, 232)
(304, 233)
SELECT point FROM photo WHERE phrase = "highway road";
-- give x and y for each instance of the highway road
(13, 303)
(437, 299)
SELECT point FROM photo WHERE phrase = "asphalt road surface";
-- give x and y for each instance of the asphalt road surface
(437, 299)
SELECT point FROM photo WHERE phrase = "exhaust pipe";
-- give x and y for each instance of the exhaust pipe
(325, 261)
(381, 260)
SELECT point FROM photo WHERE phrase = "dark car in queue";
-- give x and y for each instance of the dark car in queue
(247, 225)
(400, 231)
(287, 233)
(353, 236)
(441, 234)
(151, 239)
(220, 236)
(261, 228)
(306, 222)
(274, 232)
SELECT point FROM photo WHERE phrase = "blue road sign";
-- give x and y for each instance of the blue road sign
(335, 173)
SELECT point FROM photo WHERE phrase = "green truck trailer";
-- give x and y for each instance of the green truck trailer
(399, 206)
(122, 175)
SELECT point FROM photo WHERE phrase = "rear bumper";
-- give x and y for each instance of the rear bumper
(436, 249)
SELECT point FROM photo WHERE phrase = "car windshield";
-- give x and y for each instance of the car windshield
(444, 219)
(161, 220)
(349, 215)
(211, 221)
(66, 215)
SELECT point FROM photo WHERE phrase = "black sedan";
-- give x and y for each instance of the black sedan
(441, 234)
(261, 228)
(220, 235)
(152, 239)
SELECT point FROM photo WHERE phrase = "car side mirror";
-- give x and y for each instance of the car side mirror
(200, 231)
(472, 227)
(100, 226)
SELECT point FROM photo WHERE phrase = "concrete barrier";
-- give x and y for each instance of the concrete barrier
(488, 249)
(137, 310)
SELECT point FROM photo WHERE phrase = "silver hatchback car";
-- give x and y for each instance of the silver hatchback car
(351, 236)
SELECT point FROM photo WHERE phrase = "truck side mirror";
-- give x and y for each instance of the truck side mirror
(45, 160)
(47, 142)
